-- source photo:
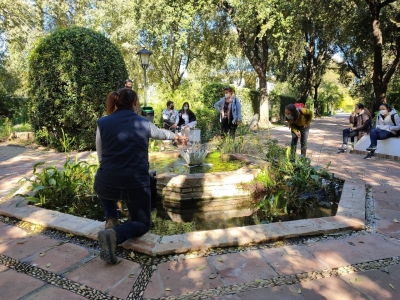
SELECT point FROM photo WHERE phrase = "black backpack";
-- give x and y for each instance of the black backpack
(394, 122)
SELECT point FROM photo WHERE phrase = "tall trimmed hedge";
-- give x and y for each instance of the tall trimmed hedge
(71, 72)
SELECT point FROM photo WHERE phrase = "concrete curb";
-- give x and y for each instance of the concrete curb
(350, 216)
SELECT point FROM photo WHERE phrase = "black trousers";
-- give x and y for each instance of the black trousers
(227, 127)
(304, 131)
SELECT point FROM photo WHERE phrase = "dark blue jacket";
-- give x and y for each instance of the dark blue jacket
(125, 140)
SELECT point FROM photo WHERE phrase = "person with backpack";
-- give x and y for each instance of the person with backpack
(299, 118)
(387, 126)
(362, 125)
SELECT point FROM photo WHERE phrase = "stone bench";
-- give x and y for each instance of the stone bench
(389, 148)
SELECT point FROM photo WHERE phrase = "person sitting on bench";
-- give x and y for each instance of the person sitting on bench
(387, 126)
(170, 117)
(361, 127)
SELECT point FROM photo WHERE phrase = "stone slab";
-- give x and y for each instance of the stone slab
(14, 285)
(62, 258)
(292, 260)
(188, 276)
(330, 288)
(50, 292)
(24, 247)
(100, 275)
(239, 268)
(375, 284)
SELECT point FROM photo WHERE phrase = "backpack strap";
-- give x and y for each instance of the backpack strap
(393, 121)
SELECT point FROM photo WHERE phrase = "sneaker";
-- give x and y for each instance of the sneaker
(369, 156)
(107, 240)
(371, 148)
(111, 222)
(344, 147)
(341, 150)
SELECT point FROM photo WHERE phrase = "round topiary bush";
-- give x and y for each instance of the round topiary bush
(71, 73)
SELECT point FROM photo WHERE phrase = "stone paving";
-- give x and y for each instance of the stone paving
(344, 265)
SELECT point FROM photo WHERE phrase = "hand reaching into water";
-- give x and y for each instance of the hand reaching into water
(182, 140)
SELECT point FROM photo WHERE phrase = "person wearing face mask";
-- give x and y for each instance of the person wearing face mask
(231, 112)
(360, 125)
(187, 119)
(299, 120)
(122, 143)
(170, 117)
(387, 125)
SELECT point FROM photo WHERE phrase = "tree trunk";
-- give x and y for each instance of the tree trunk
(380, 76)
(264, 102)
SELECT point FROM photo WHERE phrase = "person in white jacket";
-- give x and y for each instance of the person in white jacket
(231, 112)
(387, 125)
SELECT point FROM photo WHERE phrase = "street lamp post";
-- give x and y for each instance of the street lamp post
(144, 56)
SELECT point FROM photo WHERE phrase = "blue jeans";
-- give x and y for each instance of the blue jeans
(378, 134)
(304, 131)
(138, 202)
(347, 133)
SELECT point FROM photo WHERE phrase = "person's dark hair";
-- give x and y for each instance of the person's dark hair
(387, 106)
(126, 98)
(169, 102)
(110, 102)
(228, 88)
(293, 110)
(188, 110)
(128, 80)
(360, 105)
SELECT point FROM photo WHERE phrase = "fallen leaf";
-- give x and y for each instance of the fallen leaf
(395, 220)
(48, 265)
(219, 259)
(168, 289)
(82, 287)
(299, 291)
(154, 267)
(391, 285)
(41, 254)
(358, 279)
(131, 275)
(199, 268)
(69, 235)
(132, 255)
(20, 242)
(351, 243)
(259, 280)
(212, 276)
(6, 219)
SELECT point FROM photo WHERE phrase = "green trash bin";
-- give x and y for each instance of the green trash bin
(148, 113)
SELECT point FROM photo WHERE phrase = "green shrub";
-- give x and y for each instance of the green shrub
(278, 103)
(69, 190)
(71, 72)
(250, 101)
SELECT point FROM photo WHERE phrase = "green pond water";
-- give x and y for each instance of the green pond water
(213, 163)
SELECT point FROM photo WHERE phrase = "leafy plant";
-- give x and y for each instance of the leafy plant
(67, 190)
(273, 205)
(66, 142)
(155, 145)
